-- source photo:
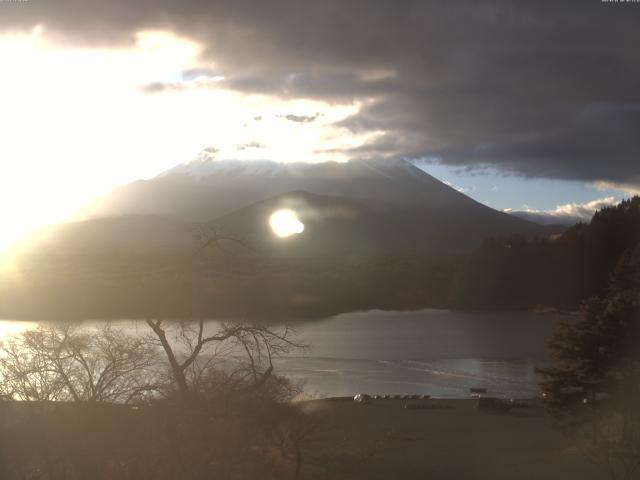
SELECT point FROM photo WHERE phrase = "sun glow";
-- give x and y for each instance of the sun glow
(285, 223)
(78, 122)
(10, 328)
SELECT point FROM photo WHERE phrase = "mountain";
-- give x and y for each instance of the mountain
(343, 227)
(333, 227)
(562, 222)
(376, 235)
(393, 198)
(122, 234)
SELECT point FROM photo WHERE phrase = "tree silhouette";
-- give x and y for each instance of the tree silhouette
(594, 388)
(195, 351)
(57, 362)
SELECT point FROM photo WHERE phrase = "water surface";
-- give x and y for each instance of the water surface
(436, 352)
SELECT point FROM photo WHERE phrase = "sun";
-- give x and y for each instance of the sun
(285, 223)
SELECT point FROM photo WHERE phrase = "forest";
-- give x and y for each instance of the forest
(558, 272)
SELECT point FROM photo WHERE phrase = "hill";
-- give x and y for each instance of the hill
(516, 272)
(388, 196)
(376, 235)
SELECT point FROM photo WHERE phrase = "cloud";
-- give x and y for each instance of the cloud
(533, 88)
(628, 189)
(567, 214)
(250, 145)
(456, 187)
(200, 73)
(155, 87)
(300, 118)
(192, 78)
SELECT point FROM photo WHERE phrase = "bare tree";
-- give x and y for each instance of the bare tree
(221, 432)
(247, 351)
(73, 363)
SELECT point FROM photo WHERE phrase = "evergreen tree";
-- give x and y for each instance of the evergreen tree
(518, 272)
(598, 356)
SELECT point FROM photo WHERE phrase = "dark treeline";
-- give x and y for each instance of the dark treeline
(561, 272)
(592, 388)
(223, 286)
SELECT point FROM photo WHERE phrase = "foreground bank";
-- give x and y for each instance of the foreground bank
(453, 440)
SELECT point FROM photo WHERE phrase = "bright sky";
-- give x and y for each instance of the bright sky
(76, 122)
(504, 192)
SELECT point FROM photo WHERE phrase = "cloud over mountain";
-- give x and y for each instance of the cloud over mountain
(567, 214)
(536, 88)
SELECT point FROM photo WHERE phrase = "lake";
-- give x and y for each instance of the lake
(436, 352)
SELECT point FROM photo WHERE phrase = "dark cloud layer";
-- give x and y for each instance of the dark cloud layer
(547, 89)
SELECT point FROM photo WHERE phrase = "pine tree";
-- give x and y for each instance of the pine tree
(597, 358)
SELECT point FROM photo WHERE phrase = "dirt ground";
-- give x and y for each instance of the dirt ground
(384, 440)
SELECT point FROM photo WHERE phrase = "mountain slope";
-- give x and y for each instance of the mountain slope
(338, 226)
(395, 191)
(206, 190)
(541, 218)
(376, 235)
(333, 226)
(123, 234)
